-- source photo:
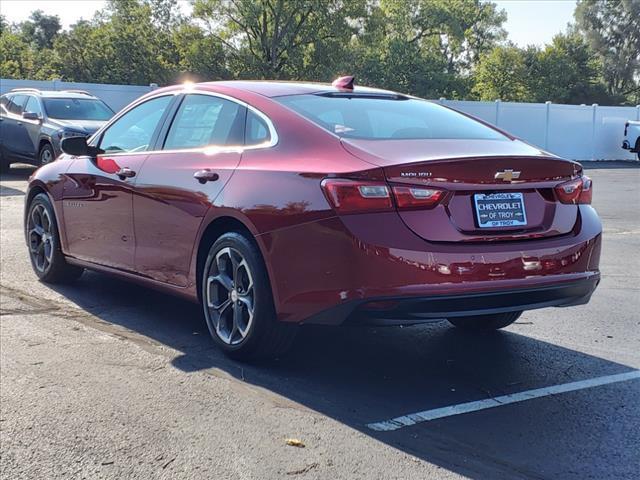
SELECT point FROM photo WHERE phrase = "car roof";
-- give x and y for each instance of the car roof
(270, 88)
(50, 93)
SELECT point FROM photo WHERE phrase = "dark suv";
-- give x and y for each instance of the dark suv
(33, 123)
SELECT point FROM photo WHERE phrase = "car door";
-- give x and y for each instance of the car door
(16, 140)
(4, 110)
(179, 182)
(32, 127)
(97, 195)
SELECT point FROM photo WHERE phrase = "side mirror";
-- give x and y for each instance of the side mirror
(76, 146)
(30, 116)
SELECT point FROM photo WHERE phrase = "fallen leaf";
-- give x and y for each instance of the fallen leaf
(294, 442)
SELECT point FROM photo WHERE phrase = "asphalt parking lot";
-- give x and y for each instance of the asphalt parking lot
(104, 379)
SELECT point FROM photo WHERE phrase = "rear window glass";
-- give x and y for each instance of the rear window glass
(76, 109)
(257, 131)
(387, 118)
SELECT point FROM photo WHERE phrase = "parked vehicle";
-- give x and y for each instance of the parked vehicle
(631, 140)
(275, 204)
(34, 122)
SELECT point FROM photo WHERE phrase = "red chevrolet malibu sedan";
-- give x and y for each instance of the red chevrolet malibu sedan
(275, 204)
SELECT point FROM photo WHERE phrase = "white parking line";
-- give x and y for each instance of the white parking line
(428, 415)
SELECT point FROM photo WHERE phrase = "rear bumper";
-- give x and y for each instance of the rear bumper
(346, 263)
(414, 310)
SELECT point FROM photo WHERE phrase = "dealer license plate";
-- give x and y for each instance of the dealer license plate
(500, 210)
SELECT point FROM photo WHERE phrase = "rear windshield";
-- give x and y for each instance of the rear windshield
(387, 118)
(76, 109)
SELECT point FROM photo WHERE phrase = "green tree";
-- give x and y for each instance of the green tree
(566, 71)
(502, 74)
(426, 47)
(125, 43)
(16, 58)
(281, 38)
(41, 29)
(612, 29)
(201, 57)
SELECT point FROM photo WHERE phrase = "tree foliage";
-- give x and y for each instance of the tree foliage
(612, 29)
(430, 48)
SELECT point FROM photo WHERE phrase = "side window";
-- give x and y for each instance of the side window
(133, 131)
(257, 131)
(16, 103)
(33, 106)
(205, 120)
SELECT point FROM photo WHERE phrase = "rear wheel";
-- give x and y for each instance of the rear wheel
(485, 322)
(237, 301)
(43, 239)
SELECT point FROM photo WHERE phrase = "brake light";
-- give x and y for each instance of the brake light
(353, 196)
(415, 197)
(576, 191)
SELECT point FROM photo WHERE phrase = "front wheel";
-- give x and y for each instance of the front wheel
(237, 301)
(5, 164)
(47, 259)
(46, 154)
(485, 322)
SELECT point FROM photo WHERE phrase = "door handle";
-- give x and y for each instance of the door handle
(125, 173)
(206, 175)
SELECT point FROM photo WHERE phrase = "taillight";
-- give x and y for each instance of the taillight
(576, 191)
(416, 197)
(353, 196)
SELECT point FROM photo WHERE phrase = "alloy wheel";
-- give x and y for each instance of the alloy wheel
(40, 237)
(230, 296)
(46, 156)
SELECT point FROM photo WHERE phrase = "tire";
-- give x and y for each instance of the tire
(46, 154)
(5, 164)
(43, 241)
(238, 304)
(480, 323)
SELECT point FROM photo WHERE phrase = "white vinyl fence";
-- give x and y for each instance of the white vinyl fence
(578, 132)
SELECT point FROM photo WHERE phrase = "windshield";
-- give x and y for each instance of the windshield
(387, 117)
(77, 109)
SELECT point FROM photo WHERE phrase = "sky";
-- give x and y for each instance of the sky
(529, 22)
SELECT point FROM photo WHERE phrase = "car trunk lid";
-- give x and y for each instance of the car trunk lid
(477, 185)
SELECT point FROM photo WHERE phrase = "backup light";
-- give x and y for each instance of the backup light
(412, 197)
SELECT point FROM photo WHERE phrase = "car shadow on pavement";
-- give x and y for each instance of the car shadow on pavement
(17, 173)
(359, 375)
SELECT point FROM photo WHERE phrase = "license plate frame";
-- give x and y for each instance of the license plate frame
(500, 210)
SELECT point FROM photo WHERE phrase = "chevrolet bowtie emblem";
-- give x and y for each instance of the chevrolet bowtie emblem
(507, 175)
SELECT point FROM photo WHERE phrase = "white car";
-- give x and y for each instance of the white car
(631, 140)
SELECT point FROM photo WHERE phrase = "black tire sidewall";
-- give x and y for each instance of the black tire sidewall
(263, 310)
(43, 199)
(45, 146)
